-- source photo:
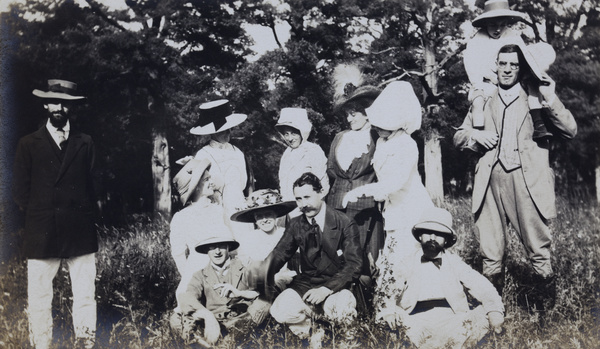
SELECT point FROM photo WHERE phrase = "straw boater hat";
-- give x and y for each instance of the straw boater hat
(220, 234)
(59, 89)
(186, 180)
(216, 116)
(495, 9)
(261, 200)
(397, 107)
(436, 220)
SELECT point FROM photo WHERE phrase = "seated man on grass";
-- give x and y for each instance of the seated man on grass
(223, 284)
(433, 306)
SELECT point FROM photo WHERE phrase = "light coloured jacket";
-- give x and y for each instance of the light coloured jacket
(539, 177)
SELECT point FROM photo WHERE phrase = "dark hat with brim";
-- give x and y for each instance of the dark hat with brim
(227, 238)
(216, 116)
(59, 89)
(438, 221)
(365, 93)
(497, 9)
(264, 199)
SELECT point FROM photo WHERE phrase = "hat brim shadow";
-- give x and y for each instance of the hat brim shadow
(480, 20)
(231, 121)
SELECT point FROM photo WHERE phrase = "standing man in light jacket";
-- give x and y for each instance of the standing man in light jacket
(54, 186)
(513, 179)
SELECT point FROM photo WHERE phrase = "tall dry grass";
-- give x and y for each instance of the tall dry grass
(137, 279)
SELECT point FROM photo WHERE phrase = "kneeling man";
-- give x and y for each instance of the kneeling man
(224, 286)
(330, 259)
(433, 305)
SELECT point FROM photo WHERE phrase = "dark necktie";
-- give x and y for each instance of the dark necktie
(436, 261)
(313, 238)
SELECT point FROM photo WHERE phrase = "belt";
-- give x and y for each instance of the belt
(423, 306)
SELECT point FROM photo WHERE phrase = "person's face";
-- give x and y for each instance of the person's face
(308, 200)
(291, 136)
(356, 119)
(205, 186)
(265, 220)
(496, 26)
(508, 69)
(382, 133)
(58, 111)
(218, 253)
(222, 137)
(432, 244)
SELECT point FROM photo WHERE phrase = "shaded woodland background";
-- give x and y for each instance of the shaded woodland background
(144, 85)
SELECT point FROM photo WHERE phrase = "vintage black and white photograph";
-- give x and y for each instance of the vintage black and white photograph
(299, 174)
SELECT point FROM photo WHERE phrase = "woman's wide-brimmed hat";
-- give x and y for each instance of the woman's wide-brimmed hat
(436, 220)
(397, 107)
(539, 57)
(263, 199)
(59, 89)
(496, 9)
(216, 116)
(220, 234)
(186, 180)
(363, 95)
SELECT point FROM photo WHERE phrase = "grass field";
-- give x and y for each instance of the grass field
(137, 279)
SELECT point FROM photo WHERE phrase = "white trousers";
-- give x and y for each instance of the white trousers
(40, 273)
(289, 308)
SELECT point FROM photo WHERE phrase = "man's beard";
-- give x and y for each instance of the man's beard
(431, 248)
(58, 119)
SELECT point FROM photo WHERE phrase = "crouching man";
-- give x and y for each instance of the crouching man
(224, 286)
(433, 305)
(330, 258)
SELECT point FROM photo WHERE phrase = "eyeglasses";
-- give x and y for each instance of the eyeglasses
(503, 65)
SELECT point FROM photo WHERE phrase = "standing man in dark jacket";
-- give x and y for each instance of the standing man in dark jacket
(330, 257)
(53, 185)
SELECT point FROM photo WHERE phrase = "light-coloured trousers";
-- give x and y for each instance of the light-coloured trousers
(289, 308)
(40, 273)
(507, 197)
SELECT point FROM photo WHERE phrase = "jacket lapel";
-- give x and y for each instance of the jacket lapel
(522, 112)
(330, 241)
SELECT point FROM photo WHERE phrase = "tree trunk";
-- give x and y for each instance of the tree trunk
(598, 184)
(161, 175)
(434, 181)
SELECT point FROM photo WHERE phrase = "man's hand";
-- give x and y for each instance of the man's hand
(352, 196)
(547, 89)
(496, 320)
(316, 295)
(394, 319)
(488, 139)
(227, 290)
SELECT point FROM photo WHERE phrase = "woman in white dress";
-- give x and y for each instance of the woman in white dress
(395, 115)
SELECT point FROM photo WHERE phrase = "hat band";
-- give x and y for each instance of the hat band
(215, 115)
(496, 5)
(61, 89)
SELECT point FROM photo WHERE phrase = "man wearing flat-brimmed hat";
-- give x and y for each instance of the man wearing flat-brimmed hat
(54, 185)
(433, 305)
(513, 179)
(224, 287)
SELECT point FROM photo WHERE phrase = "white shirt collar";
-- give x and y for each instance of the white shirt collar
(224, 269)
(320, 217)
(509, 95)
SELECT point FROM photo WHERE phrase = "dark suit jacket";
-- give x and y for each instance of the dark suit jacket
(330, 269)
(359, 173)
(57, 195)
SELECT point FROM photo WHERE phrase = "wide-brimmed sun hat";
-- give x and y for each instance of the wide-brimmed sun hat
(59, 89)
(397, 107)
(186, 180)
(220, 234)
(438, 221)
(539, 57)
(496, 9)
(350, 88)
(263, 199)
(216, 116)
(296, 118)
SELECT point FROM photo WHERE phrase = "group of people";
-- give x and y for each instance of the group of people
(352, 230)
